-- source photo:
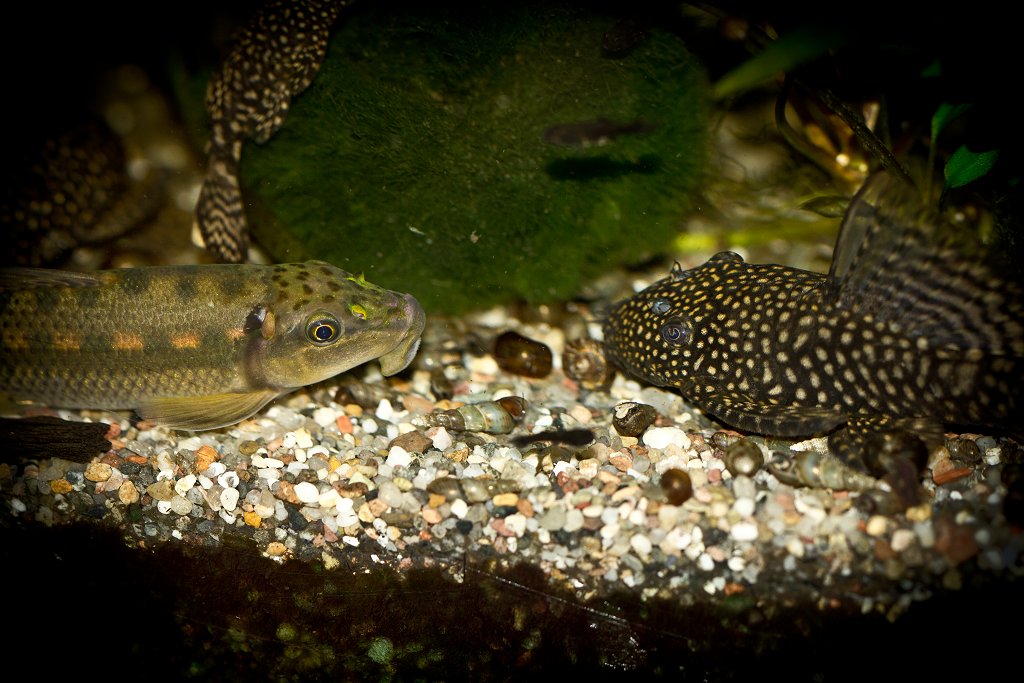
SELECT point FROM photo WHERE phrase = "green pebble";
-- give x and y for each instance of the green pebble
(381, 650)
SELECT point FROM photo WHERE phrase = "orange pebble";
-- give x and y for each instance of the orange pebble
(344, 423)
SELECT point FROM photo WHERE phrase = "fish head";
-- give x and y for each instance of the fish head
(666, 333)
(324, 321)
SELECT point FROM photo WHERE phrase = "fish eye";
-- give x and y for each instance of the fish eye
(323, 328)
(676, 331)
(660, 307)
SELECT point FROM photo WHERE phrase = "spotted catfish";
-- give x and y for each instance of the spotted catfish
(274, 57)
(911, 329)
(194, 347)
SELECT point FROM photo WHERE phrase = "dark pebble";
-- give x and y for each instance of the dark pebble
(414, 441)
(677, 486)
(129, 468)
(964, 450)
(402, 520)
(503, 510)
(743, 457)
(463, 526)
(295, 519)
(632, 419)
(522, 356)
(248, 447)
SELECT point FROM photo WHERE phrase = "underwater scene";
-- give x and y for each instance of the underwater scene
(377, 340)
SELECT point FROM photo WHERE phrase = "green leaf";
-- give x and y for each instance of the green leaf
(933, 70)
(788, 52)
(944, 114)
(966, 166)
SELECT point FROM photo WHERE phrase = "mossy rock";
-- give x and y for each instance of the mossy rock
(417, 155)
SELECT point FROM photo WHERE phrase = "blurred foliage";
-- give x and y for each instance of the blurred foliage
(923, 91)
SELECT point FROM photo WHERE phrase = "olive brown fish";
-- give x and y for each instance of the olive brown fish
(912, 329)
(194, 347)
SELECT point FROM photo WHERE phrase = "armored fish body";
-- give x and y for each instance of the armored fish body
(194, 347)
(273, 58)
(910, 329)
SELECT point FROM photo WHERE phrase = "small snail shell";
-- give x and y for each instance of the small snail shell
(492, 417)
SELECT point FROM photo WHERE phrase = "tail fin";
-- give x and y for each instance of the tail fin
(219, 212)
(897, 261)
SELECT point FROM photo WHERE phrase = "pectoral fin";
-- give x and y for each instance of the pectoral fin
(197, 413)
(778, 420)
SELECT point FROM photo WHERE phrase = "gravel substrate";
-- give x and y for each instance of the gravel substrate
(350, 538)
(342, 535)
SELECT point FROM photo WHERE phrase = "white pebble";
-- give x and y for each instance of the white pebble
(483, 365)
(182, 486)
(328, 498)
(347, 519)
(228, 479)
(191, 443)
(303, 439)
(901, 539)
(876, 526)
(163, 506)
(215, 469)
(459, 508)
(588, 468)
(270, 475)
(744, 531)
(307, 492)
(516, 524)
(229, 499)
(325, 416)
(398, 457)
(705, 562)
(385, 410)
(641, 544)
(369, 425)
(442, 440)
(736, 564)
(318, 449)
(573, 520)
(661, 437)
(744, 507)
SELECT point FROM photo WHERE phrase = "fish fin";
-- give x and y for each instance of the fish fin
(898, 262)
(219, 213)
(197, 413)
(32, 278)
(777, 420)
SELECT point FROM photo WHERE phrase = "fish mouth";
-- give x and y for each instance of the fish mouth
(398, 358)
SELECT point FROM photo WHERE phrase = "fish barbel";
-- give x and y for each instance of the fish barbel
(911, 329)
(194, 347)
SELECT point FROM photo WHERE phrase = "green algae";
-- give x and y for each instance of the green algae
(417, 156)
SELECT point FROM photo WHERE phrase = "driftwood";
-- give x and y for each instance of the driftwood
(51, 437)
